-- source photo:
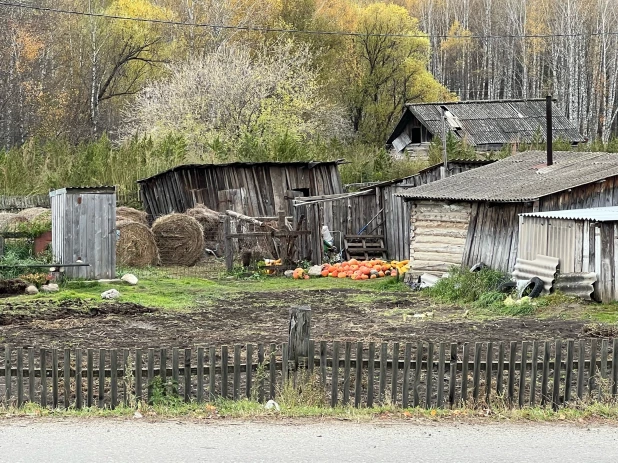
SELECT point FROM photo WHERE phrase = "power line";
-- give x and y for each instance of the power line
(296, 31)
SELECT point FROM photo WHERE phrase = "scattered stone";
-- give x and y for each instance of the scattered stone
(272, 404)
(315, 271)
(110, 294)
(32, 290)
(137, 415)
(288, 273)
(130, 279)
(50, 288)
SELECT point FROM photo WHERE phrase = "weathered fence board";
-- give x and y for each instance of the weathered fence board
(413, 375)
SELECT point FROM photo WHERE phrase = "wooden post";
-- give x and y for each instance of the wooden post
(229, 248)
(283, 252)
(298, 334)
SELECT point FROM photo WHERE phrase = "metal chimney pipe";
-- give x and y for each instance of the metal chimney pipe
(550, 136)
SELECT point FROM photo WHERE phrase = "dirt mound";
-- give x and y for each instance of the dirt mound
(180, 239)
(12, 287)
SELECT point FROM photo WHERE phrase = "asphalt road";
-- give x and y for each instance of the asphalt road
(138, 441)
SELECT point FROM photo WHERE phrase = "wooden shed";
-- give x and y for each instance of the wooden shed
(257, 189)
(372, 210)
(486, 125)
(584, 240)
(474, 216)
(84, 229)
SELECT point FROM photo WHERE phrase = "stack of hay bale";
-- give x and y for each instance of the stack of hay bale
(174, 239)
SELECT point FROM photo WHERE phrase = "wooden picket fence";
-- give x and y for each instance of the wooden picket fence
(551, 373)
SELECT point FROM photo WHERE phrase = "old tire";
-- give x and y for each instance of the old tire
(533, 288)
(506, 287)
(478, 267)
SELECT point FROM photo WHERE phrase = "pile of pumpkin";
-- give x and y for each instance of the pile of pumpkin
(360, 270)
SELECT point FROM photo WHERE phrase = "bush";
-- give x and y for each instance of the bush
(463, 286)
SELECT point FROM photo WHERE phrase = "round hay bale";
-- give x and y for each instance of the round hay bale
(136, 246)
(9, 221)
(124, 213)
(36, 214)
(210, 221)
(180, 239)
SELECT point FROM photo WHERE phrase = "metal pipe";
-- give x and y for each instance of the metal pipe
(444, 168)
(549, 126)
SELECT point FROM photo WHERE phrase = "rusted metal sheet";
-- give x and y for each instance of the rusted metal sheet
(543, 267)
(576, 284)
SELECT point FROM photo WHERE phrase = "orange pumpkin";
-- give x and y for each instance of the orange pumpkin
(341, 275)
(373, 277)
(364, 277)
(380, 274)
(306, 277)
(324, 273)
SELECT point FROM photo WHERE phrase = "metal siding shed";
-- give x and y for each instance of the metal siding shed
(84, 228)
(567, 235)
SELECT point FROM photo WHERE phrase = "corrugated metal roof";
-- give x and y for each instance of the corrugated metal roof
(493, 122)
(594, 214)
(521, 178)
(308, 164)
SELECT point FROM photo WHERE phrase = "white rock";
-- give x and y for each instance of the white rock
(31, 290)
(110, 294)
(288, 273)
(50, 288)
(130, 278)
(315, 271)
(137, 415)
(272, 404)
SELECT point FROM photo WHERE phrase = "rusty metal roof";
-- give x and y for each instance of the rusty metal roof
(594, 214)
(522, 177)
(494, 122)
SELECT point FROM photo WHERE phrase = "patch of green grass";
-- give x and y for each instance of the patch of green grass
(464, 287)
(157, 289)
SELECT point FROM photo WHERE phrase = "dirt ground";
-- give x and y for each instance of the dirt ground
(337, 314)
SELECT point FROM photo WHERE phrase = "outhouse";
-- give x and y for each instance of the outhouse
(84, 230)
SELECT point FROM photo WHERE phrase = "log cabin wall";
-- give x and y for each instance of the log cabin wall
(438, 235)
(258, 189)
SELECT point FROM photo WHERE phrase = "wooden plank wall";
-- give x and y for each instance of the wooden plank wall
(84, 228)
(493, 234)
(265, 186)
(552, 374)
